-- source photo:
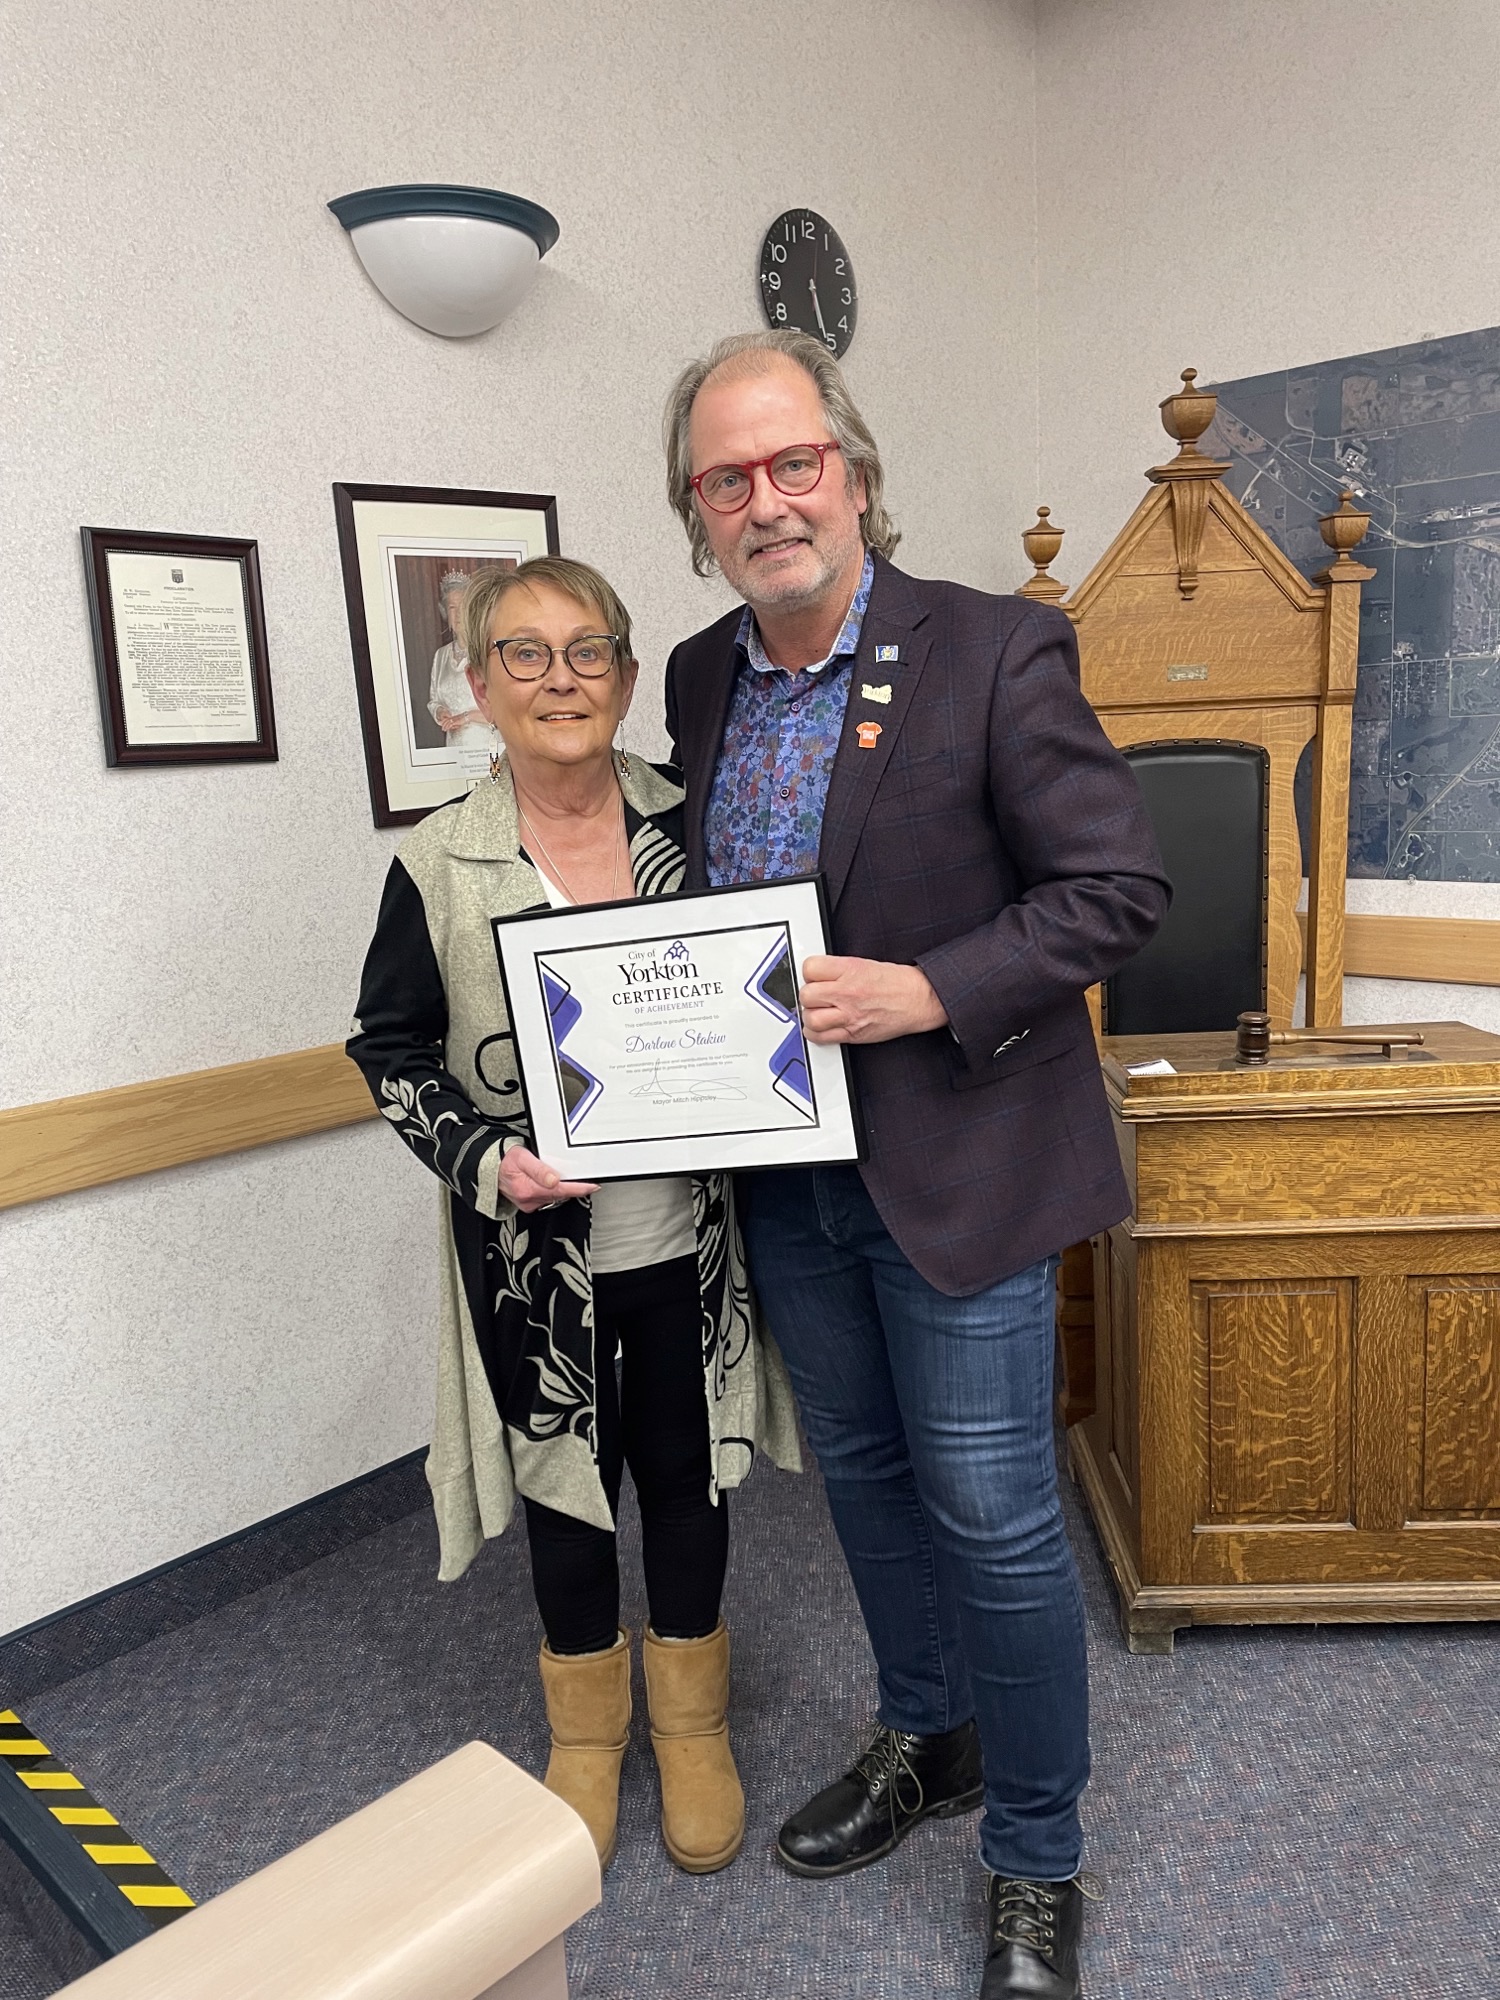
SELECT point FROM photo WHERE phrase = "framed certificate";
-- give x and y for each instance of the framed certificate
(180, 648)
(663, 1036)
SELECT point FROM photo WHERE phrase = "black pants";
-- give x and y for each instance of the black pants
(652, 1417)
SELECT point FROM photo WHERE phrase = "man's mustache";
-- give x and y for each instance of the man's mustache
(770, 541)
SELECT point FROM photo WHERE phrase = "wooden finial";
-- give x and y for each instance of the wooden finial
(1041, 544)
(1344, 529)
(1187, 413)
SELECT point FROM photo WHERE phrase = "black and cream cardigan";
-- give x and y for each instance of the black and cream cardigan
(515, 1397)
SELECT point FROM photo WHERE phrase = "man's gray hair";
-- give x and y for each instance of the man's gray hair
(750, 354)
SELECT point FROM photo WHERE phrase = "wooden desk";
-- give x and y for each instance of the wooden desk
(1297, 1407)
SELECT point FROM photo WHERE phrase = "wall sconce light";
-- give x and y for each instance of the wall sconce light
(455, 260)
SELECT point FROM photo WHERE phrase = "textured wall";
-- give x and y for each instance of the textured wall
(1249, 187)
(193, 346)
(1254, 187)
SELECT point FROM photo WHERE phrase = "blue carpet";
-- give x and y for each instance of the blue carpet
(1282, 1814)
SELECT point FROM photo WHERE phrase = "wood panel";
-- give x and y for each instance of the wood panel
(1456, 1415)
(1099, 1425)
(1339, 1554)
(1126, 662)
(1076, 1344)
(1273, 1363)
(1382, 1343)
(1124, 1411)
(1282, 1168)
(1170, 1433)
(110, 1135)
(1457, 951)
(1373, 1256)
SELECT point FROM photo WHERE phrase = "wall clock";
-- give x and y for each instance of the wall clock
(807, 280)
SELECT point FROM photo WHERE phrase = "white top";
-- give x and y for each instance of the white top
(448, 685)
(635, 1223)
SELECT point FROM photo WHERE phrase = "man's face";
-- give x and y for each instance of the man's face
(783, 552)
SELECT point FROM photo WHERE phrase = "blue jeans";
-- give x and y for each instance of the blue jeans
(931, 1419)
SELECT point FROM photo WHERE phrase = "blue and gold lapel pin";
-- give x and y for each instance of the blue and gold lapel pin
(884, 653)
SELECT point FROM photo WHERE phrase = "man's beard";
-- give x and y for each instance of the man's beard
(799, 593)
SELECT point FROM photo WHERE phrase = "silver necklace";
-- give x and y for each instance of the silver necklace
(557, 874)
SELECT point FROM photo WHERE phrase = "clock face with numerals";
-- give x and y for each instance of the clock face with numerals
(807, 280)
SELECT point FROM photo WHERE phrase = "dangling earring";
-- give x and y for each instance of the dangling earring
(496, 751)
(621, 751)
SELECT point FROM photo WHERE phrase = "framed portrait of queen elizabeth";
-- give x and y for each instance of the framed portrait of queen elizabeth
(407, 554)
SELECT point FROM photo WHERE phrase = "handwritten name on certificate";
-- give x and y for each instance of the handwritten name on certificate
(648, 1050)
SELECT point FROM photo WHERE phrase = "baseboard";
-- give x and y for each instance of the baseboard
(89, 1634)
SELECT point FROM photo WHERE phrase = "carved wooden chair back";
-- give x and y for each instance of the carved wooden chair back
(1193, 627)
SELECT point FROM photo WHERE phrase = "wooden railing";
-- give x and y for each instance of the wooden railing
(110, 1135)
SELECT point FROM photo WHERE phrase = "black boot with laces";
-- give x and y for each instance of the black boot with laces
(1032, 1930)
(900, 1781)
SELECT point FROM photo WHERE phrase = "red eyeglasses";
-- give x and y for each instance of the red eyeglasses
(795, 469)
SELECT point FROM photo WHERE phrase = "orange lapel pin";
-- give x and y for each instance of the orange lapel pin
(868, 734)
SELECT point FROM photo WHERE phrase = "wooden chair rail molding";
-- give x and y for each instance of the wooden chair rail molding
(111, 1135)
(1448, 951)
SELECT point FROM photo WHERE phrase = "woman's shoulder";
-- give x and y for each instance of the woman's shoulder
(430, 836)
(653, 789)
(479, 826)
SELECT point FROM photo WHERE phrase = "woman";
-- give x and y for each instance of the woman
(450, 701)
(545, 1281)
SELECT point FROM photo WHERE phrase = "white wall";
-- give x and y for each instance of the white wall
(1243, 188)
(192, 346)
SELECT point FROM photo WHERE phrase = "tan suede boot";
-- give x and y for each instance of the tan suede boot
(588, 1707)
(702, 1804)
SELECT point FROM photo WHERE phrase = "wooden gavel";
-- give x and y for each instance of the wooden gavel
(1255, 1037)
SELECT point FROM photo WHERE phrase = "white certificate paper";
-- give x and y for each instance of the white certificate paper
(664, 1036)
(182, 635)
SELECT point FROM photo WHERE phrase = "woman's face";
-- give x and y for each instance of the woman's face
(563, 717)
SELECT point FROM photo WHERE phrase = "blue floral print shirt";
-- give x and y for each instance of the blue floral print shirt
(765, 812)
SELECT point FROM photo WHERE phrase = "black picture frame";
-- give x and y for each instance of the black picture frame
(418, 509)
(535, 1049)
(119, 750)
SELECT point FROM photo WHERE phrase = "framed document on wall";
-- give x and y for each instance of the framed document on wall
(407, 554)
(179, 647)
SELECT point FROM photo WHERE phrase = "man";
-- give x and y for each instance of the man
(987, 859)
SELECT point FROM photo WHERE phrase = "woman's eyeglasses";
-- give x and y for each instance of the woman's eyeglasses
(590, 657)
(795, 469)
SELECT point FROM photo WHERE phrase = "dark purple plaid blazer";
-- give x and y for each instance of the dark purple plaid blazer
(995, 838)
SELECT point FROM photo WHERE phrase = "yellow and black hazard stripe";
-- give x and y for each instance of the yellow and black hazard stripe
(60, 1803)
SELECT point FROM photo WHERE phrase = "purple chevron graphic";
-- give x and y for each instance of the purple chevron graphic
(580, 1088)
(773, 986)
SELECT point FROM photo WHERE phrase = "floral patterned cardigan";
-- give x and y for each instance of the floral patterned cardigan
(515, 1393)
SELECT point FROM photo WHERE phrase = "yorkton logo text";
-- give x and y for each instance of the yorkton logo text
(672, 977)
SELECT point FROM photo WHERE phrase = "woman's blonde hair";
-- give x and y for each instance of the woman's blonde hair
(489, 586)
(750, 354)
